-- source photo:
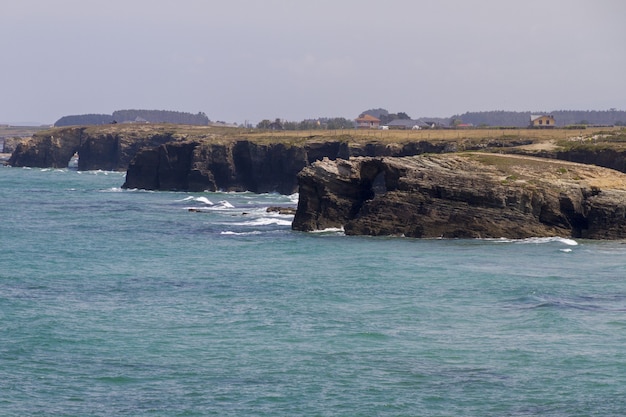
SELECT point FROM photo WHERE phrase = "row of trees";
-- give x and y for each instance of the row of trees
(487, 118)
(84, 119)
(333, 123)
(124, 116)
(513, 118)
(161, 116)
(562, 117)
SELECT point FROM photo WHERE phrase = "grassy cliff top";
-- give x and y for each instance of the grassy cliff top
(529, 140)
(522, 169)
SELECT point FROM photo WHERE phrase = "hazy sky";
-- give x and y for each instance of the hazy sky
(240, 60)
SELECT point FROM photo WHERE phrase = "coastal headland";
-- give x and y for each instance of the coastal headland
(463, 195)
(489, 183)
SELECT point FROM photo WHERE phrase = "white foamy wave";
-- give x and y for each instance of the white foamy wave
(101, 172)
(139, 190)
(220, 206)
(570, 242)
(112, 190)
(223, 203)
(538, 240)
(294, 198)
(230, 233)
(203, 200)
(330, 230)
(264, 221)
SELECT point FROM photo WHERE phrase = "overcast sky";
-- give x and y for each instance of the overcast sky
(240, 60)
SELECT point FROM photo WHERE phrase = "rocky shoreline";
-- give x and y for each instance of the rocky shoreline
(467, 195)
(370, 184)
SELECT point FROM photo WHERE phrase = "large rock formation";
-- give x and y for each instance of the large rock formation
(246, 165)
(169, 157)
(462, 195)
(197, 158)
(237, 166)
(110, 148)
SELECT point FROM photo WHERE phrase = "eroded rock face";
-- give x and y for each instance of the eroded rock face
(234, 166)
(110, 151)
(462, 195)
(45, 150)
(245, 165)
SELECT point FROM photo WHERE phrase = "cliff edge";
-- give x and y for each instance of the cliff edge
(109, 148)
(469, 195)
(239, 164)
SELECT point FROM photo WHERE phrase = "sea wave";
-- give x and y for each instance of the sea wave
(264, 221)
(219, 206)
(231, 233)
(330, 230)
(538, 240)
(207, 204)
(99, 172)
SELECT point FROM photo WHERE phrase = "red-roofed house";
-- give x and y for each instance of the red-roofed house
(366, 121)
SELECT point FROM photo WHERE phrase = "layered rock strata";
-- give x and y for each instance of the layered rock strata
(108, 150)
(165, 157)
(462, 196)
(245, 165)
(239, 166)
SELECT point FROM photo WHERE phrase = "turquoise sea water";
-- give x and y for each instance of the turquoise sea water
(116, 303)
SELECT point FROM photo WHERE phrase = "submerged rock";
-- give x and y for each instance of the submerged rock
(288, 211)
(462, 195)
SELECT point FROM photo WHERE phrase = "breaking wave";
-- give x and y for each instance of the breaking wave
(538, 240)
(240, 214)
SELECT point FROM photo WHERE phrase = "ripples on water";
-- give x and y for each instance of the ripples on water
(127, 303)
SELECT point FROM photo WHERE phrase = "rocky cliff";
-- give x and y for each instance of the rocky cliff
(237, 166)
(462, 195)
(175, 157)
(197, 158)
(108, 148)
(246, 165)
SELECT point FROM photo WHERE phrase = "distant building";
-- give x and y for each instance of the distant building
(542, 121)
(406, 124)
(366, 121)
(139, 120)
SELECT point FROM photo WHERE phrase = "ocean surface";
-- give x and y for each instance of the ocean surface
(126, 303)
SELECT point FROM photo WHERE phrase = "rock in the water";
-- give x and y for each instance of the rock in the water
(287, 211)
(462, 195)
